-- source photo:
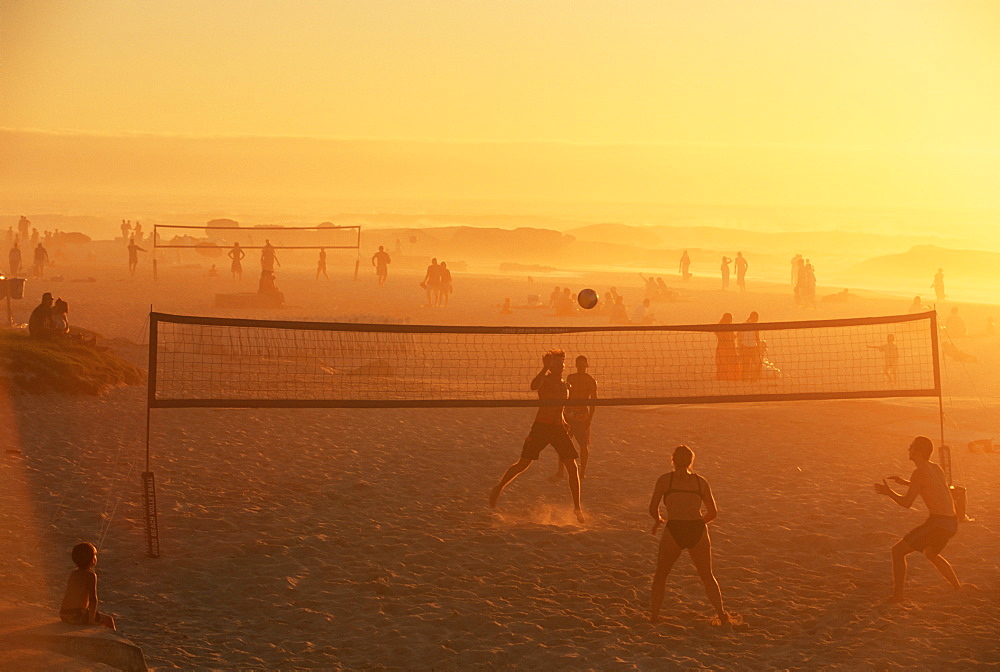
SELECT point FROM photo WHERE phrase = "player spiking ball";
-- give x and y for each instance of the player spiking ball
(587, 299)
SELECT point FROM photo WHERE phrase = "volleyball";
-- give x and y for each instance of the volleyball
(587, 298)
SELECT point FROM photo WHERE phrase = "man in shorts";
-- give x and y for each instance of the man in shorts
(929, 482)
(581, 386)
(549, 428)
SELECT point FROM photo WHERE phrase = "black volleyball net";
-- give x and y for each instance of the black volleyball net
(222, 362)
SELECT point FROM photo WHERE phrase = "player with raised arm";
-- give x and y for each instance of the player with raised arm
(549, 428)
(581, 386)
(929, 483)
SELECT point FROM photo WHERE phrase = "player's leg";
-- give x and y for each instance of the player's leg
(899, 552)
(665, 559)
(701, 556)
(944, 567)
(508, 476)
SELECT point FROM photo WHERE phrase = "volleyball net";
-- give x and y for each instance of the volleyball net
(240, 363)
(207, 238)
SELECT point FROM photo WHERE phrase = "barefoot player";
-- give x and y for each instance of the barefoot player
(549, 428)
(581, 386)
(929, 482)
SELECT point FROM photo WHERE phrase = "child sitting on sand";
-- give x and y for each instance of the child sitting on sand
(79, 606)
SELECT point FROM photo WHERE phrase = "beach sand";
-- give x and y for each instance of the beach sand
(362, 539)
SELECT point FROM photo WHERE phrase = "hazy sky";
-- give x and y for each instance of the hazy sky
(831, 102)
(813, 72)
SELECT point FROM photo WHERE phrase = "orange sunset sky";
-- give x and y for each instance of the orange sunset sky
(851, 103)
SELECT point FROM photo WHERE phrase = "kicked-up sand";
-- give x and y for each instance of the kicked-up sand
(362, 539)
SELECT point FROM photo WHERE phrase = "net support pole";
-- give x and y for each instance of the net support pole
(148, 480)
(944, 451)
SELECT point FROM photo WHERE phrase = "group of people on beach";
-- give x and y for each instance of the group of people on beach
(566, 411)
(437, 284)
(741, 271)
(739, 355)
(803, 282)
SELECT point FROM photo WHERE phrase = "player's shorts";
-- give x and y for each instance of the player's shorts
(933, 534)
(579, 424)
(542, 435)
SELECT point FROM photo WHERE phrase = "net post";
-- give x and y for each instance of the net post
(148, 480)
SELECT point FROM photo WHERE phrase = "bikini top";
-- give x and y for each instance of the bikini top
(670, 487)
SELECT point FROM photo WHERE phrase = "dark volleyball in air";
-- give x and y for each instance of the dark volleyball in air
(587, 298)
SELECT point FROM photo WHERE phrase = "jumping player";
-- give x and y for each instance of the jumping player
(549, 428)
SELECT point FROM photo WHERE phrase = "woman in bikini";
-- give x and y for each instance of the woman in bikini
(683, 492)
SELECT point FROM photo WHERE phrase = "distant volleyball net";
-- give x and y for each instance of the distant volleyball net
(222, 362)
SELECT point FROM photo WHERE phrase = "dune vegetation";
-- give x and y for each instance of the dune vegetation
(61, 365)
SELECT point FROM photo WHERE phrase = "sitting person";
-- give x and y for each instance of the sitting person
(79, 605)
(642, 314)
(40, 322)
(955, 324)
(269, 289)
(60, 323)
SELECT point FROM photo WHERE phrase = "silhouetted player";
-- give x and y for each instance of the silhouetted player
(549, 428)
(725, 271)
(381, 261)
(321, 265)
(684, 492)
(929, 482)
(581, 386)
(890, 357)
(237, 254)
(267, 257)
(685, 265)
(133, 256)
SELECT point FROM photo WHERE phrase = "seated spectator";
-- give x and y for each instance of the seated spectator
(269, 289)
(40, 322)
(642, 314)
(918, 306)
(955, 324)
(60, 323)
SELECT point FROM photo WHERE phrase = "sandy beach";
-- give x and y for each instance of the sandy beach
(362, 539)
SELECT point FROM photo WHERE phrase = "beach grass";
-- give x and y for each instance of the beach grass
(61, 365)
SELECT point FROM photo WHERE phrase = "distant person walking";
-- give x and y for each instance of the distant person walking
(41, 258)
(725, 271)
(381, 261)
(24, 228)
(741, 271)
(549, 428)
(321, 265)
(14, 260)
(938, 285)
(685, 266)
(444, 290)
(133, 256)
(684, 493)
(796, 263)
(126, 228)
(432, 282)
(237, 254)
(928, 481)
